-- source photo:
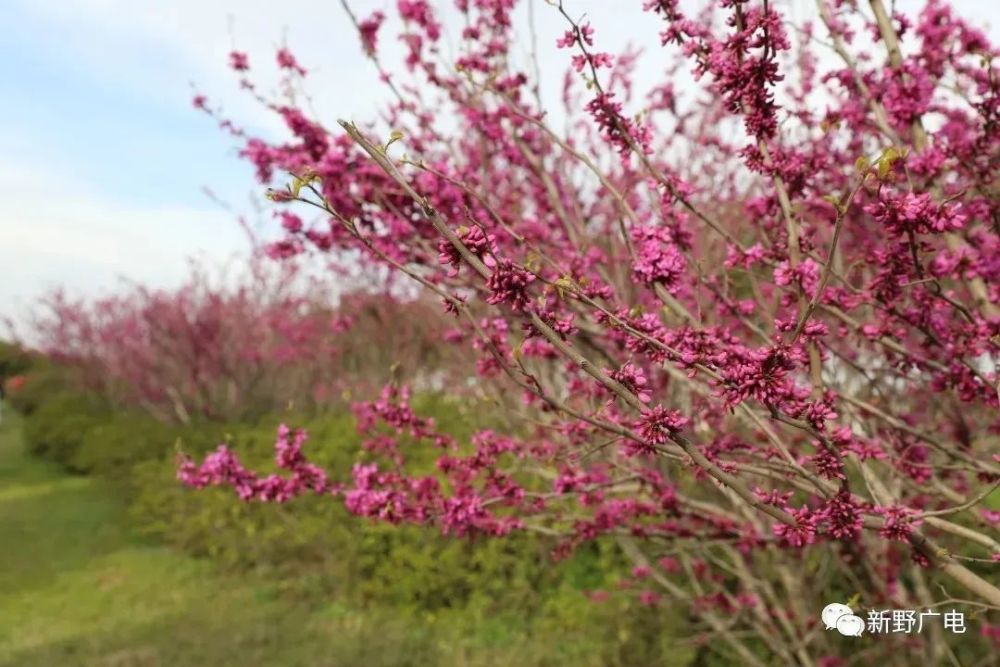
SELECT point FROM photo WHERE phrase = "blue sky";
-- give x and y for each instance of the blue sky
(103, 160)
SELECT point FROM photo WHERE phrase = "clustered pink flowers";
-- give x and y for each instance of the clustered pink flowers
(742, 333)
(265, 338)
(658, 259)
(222, 467)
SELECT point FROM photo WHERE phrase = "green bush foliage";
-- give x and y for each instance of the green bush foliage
(112, 446)
(14, 359)
(487, 602)
(56, 428)
(42, 380)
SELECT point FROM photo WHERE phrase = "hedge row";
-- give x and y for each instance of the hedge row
(497, 590)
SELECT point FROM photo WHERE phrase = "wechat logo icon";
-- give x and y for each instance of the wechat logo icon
(841, 618)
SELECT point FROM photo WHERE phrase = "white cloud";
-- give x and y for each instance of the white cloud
(54, 232)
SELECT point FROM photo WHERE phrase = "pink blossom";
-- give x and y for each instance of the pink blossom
(239, 61)
(508, 284)
(369, 28)
(658, 259)
(287, 61)
(802, 532)
(633, 379)
(649, 598)
(899, 523)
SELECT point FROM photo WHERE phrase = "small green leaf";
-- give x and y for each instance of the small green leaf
(563, 283)
(887, 159)
(394, 136)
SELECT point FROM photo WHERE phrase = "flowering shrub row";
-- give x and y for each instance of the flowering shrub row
(236, 347)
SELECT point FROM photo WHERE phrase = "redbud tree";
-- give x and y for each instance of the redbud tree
(240, 344)
(749, 331)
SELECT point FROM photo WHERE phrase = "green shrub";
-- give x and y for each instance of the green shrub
(111, 448)
(212, 522)
(57, 427)
(14, 359)
(477, 602)
(42, 383)
(407, 566)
